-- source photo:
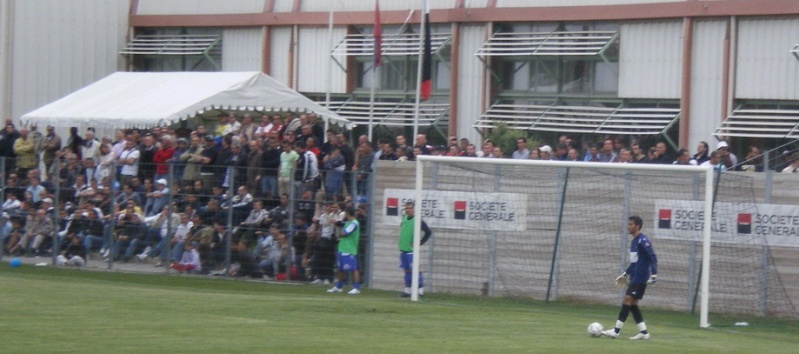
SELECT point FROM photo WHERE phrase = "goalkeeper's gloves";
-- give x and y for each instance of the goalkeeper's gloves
(652, 279)
(621, 280)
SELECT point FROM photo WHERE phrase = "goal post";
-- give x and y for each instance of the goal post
(447, 178)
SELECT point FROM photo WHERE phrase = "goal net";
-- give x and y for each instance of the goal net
(556, 231)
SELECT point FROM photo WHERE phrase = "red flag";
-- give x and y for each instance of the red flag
(378, 36)
(427, 56)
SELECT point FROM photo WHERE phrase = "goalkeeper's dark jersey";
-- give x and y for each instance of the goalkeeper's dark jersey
(643, 261)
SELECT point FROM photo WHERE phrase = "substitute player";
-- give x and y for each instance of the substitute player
(348, 252)
(406, 248)
(643, 270)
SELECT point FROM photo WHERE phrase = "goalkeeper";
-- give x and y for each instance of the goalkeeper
(643, 270)
(406, 248)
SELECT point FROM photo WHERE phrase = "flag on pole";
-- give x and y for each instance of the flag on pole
(427, 55)
(378, 36)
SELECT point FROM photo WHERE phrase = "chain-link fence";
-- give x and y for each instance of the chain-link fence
(235, 219)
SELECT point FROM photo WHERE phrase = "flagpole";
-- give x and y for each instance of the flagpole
(377, 34)
(372, 100)
(419, 72)
(329, 64)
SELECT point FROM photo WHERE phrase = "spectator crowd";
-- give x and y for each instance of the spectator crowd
(268, 192)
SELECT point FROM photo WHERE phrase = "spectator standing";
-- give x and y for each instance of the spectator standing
(715, 161)
(222, 125)
(105, 162)
(299, 241)
(402, 144)
(118, 145)
(192, 159)
(90, 149)
(248, 128)
(317, 127)
(307, 172)
(607, 154)
(38, 142)
(753, 161)
(235, 161)
(661, 154)
(288, 162)
(324, 253)
(129, 160)
(208, 158)
(573, 155)
(270, 164)
(147, 154)
(638, 153)
(51, 146)
(471, 151)
(333, 165)
(74, 142)
(421, 143)
(254, 161)
(702, 153)
(179, 166)
(265, 127)
(684, 158)
(793, 167)
(521, 152)
(728, 159)
(162, 156)
(364, 168)
(387, 152)
(25, 153)
(625, 156)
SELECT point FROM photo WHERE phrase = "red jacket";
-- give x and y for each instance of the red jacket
(160, 158)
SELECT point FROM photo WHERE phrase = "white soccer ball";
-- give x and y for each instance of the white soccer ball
(595, 329)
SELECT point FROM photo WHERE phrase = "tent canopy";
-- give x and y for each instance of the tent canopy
(150, 99)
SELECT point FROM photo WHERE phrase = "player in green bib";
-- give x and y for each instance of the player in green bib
(406, 248)
(347, 253)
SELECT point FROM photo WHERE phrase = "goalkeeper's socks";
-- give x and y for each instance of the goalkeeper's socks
(642, 327)
(340, 284)
(619, 324)
(356, 285)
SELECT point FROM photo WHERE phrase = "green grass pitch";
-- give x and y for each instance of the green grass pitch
(47, 310)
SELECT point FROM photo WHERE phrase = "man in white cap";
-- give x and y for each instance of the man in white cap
(728, 159)
(156, 200)
(545, 152)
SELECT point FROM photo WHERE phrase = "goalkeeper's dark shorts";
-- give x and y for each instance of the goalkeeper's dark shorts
(636, 291)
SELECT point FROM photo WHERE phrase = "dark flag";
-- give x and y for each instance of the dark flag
(427, 56)
(378, 36)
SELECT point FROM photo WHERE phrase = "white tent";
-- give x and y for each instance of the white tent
(144, 100)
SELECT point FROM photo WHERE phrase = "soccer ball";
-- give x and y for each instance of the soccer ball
(595, 329)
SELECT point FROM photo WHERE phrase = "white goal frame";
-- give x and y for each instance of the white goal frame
(708, 206)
